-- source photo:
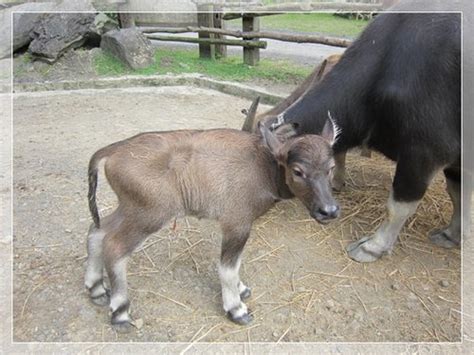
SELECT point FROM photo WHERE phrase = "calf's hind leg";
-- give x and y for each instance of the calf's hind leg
(94, 278)
(118, 245)
(233, 290)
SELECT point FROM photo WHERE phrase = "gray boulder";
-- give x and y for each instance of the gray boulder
(103, 24)
(22, 24)
(130, 46)
(75, 5)
(59, 32)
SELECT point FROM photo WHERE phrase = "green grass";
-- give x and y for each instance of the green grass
(321, 23)
(188, 61)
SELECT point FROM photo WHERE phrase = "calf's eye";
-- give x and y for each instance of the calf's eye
(298, 172)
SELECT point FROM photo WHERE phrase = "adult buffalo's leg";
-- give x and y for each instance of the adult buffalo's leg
(233, 290)
(450, 236)
(412, 177)
(339, 171)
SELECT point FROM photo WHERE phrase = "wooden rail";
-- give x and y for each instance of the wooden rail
(209, 41)
(211, 28)
(296, 38)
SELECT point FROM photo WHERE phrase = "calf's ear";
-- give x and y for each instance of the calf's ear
(330, 130)
(269, 139)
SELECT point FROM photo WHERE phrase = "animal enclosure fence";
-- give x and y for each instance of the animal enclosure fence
(212, 32)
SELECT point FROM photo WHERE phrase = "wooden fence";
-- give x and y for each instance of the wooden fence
(212, 32)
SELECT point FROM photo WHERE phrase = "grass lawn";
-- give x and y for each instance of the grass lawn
(188, 61)
(322, 23)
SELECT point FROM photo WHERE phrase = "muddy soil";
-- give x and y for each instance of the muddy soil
(305, 288)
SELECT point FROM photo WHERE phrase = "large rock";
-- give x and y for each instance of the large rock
(58, 32)
(104, 23)
(130, 46)
(150, 12)
(22, 24)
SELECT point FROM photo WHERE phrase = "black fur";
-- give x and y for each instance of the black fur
(398, 87)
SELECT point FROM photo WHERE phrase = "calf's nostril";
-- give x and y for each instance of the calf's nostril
(329, 211)
(323, 211)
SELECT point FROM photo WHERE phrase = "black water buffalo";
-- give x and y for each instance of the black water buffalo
(397, 88)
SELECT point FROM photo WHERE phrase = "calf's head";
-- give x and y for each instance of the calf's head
(308, 163)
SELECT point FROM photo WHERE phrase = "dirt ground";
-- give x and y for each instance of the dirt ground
(304, 286)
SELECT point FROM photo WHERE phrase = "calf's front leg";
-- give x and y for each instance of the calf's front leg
(234, 290)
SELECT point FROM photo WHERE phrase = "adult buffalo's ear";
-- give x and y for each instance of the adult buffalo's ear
(321, 70)
(286, 131)
(269, 139)
(250, 115)
(330, 130)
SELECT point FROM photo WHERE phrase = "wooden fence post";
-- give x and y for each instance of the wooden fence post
(221, 49)
(251, 23)
(206, 19)
(126, 20)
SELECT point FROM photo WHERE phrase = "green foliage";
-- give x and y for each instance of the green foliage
(321, 23)
(188, 61)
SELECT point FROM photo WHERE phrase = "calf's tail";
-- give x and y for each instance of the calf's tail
(92, 178)
(91, 196)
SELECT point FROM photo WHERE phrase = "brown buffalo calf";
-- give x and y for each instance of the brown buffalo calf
(227, 175)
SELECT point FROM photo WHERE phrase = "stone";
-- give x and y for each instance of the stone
(104, 23)
(58, 32)
(178, 14)
(444, 283)
(23, 24)
(130, 46)
(75, 5)
(138, 323)
(330, 304)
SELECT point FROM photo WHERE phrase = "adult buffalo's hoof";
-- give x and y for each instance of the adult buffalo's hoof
(362, 252)
(123, 327)
(243, 319)
(246, 293)
(443, 239)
